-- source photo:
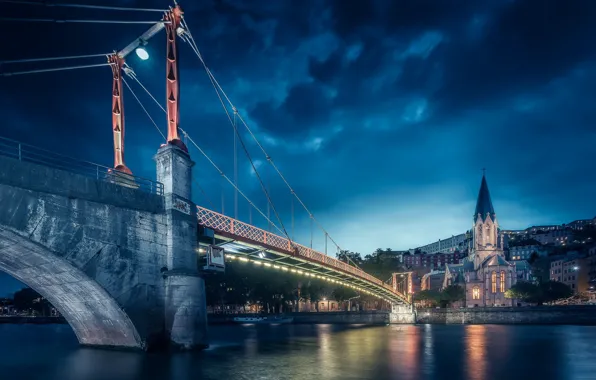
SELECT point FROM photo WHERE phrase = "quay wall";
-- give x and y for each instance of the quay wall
(340, 317)
(539, 315)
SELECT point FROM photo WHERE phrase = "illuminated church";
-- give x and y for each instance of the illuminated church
(485, 273)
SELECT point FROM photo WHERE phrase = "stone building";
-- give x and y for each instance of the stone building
(484, 273)
(573, 271)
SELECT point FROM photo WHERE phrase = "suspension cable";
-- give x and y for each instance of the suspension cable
(229, 180)
(63, 21)
(207, 198)
(8, 74)
(45, 3)
(224, 176)
(161, 133)
(134, 76)
(191, 41)
(55, 58)
(144, 109)
(270, 202)
(235, 169)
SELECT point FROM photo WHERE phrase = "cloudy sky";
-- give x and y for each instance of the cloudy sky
(380, 113)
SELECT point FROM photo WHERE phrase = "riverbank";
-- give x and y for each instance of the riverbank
(538, 315)
(17, 319)
(332, 317)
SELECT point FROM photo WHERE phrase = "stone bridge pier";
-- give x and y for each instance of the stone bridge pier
(402, 314)
(119, 263)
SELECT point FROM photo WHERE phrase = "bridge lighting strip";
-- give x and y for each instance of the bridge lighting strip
(379, 293)
(292, 270)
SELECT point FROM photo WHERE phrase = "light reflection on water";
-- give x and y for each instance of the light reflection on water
(475, 352)
(317, 352)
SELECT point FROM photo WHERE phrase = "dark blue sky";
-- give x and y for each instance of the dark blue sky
(381, 113)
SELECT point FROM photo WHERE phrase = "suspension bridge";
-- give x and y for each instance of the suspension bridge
(119, 255)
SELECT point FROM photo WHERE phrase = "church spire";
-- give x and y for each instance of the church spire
(484, 205)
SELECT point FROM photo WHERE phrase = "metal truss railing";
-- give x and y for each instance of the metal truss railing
(226, 224)
(29, 153)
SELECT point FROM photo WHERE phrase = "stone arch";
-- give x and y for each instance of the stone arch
(91, 312)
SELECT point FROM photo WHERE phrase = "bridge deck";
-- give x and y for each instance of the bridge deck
(247, 241)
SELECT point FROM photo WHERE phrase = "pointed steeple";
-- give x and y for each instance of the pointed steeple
(484, 205)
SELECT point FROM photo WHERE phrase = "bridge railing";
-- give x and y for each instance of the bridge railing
(222, 223)
(33, 154)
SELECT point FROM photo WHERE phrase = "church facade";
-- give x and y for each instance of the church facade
(485, 273)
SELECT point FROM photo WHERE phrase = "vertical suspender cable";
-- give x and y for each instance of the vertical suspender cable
(326, 242)
(223, 209)
(311, 231)
(293, 237)
(268, 210)
(235, 168)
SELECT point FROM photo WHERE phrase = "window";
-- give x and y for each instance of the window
(476, 293)
(502, 280)
(493, 280)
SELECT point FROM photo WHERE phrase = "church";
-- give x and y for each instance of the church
(485, 273)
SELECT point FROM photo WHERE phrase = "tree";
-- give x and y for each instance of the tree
(344, 255)
(554, 290)
(545, 292)
(28, 300)
(533, 257)
(428, 297)
(453, 293)
(524, 291)
(341, 293)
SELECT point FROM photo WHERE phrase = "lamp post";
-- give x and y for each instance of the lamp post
(350, 302)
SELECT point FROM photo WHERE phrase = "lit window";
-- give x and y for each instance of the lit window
(493, 280)
(476, 293)
(502, 279)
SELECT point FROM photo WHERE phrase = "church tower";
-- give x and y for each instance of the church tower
(485, 228)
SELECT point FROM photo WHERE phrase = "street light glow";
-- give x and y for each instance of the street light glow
(142, 53)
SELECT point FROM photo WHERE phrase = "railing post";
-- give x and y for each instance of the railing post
(265, 237)
(20, 154)
(231, 225)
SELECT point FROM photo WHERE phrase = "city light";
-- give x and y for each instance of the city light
(142, 53)
(306, 273)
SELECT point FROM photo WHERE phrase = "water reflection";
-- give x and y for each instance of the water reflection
(317, 351)
(475, 352)
(403, 352)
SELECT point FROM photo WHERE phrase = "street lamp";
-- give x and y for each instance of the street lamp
(142, 53)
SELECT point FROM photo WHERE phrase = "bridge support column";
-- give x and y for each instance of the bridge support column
(185, 317)
(402, 314)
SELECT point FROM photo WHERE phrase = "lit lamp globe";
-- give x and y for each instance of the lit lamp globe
(142, 53)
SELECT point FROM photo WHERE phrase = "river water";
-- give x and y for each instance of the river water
(316, 352)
